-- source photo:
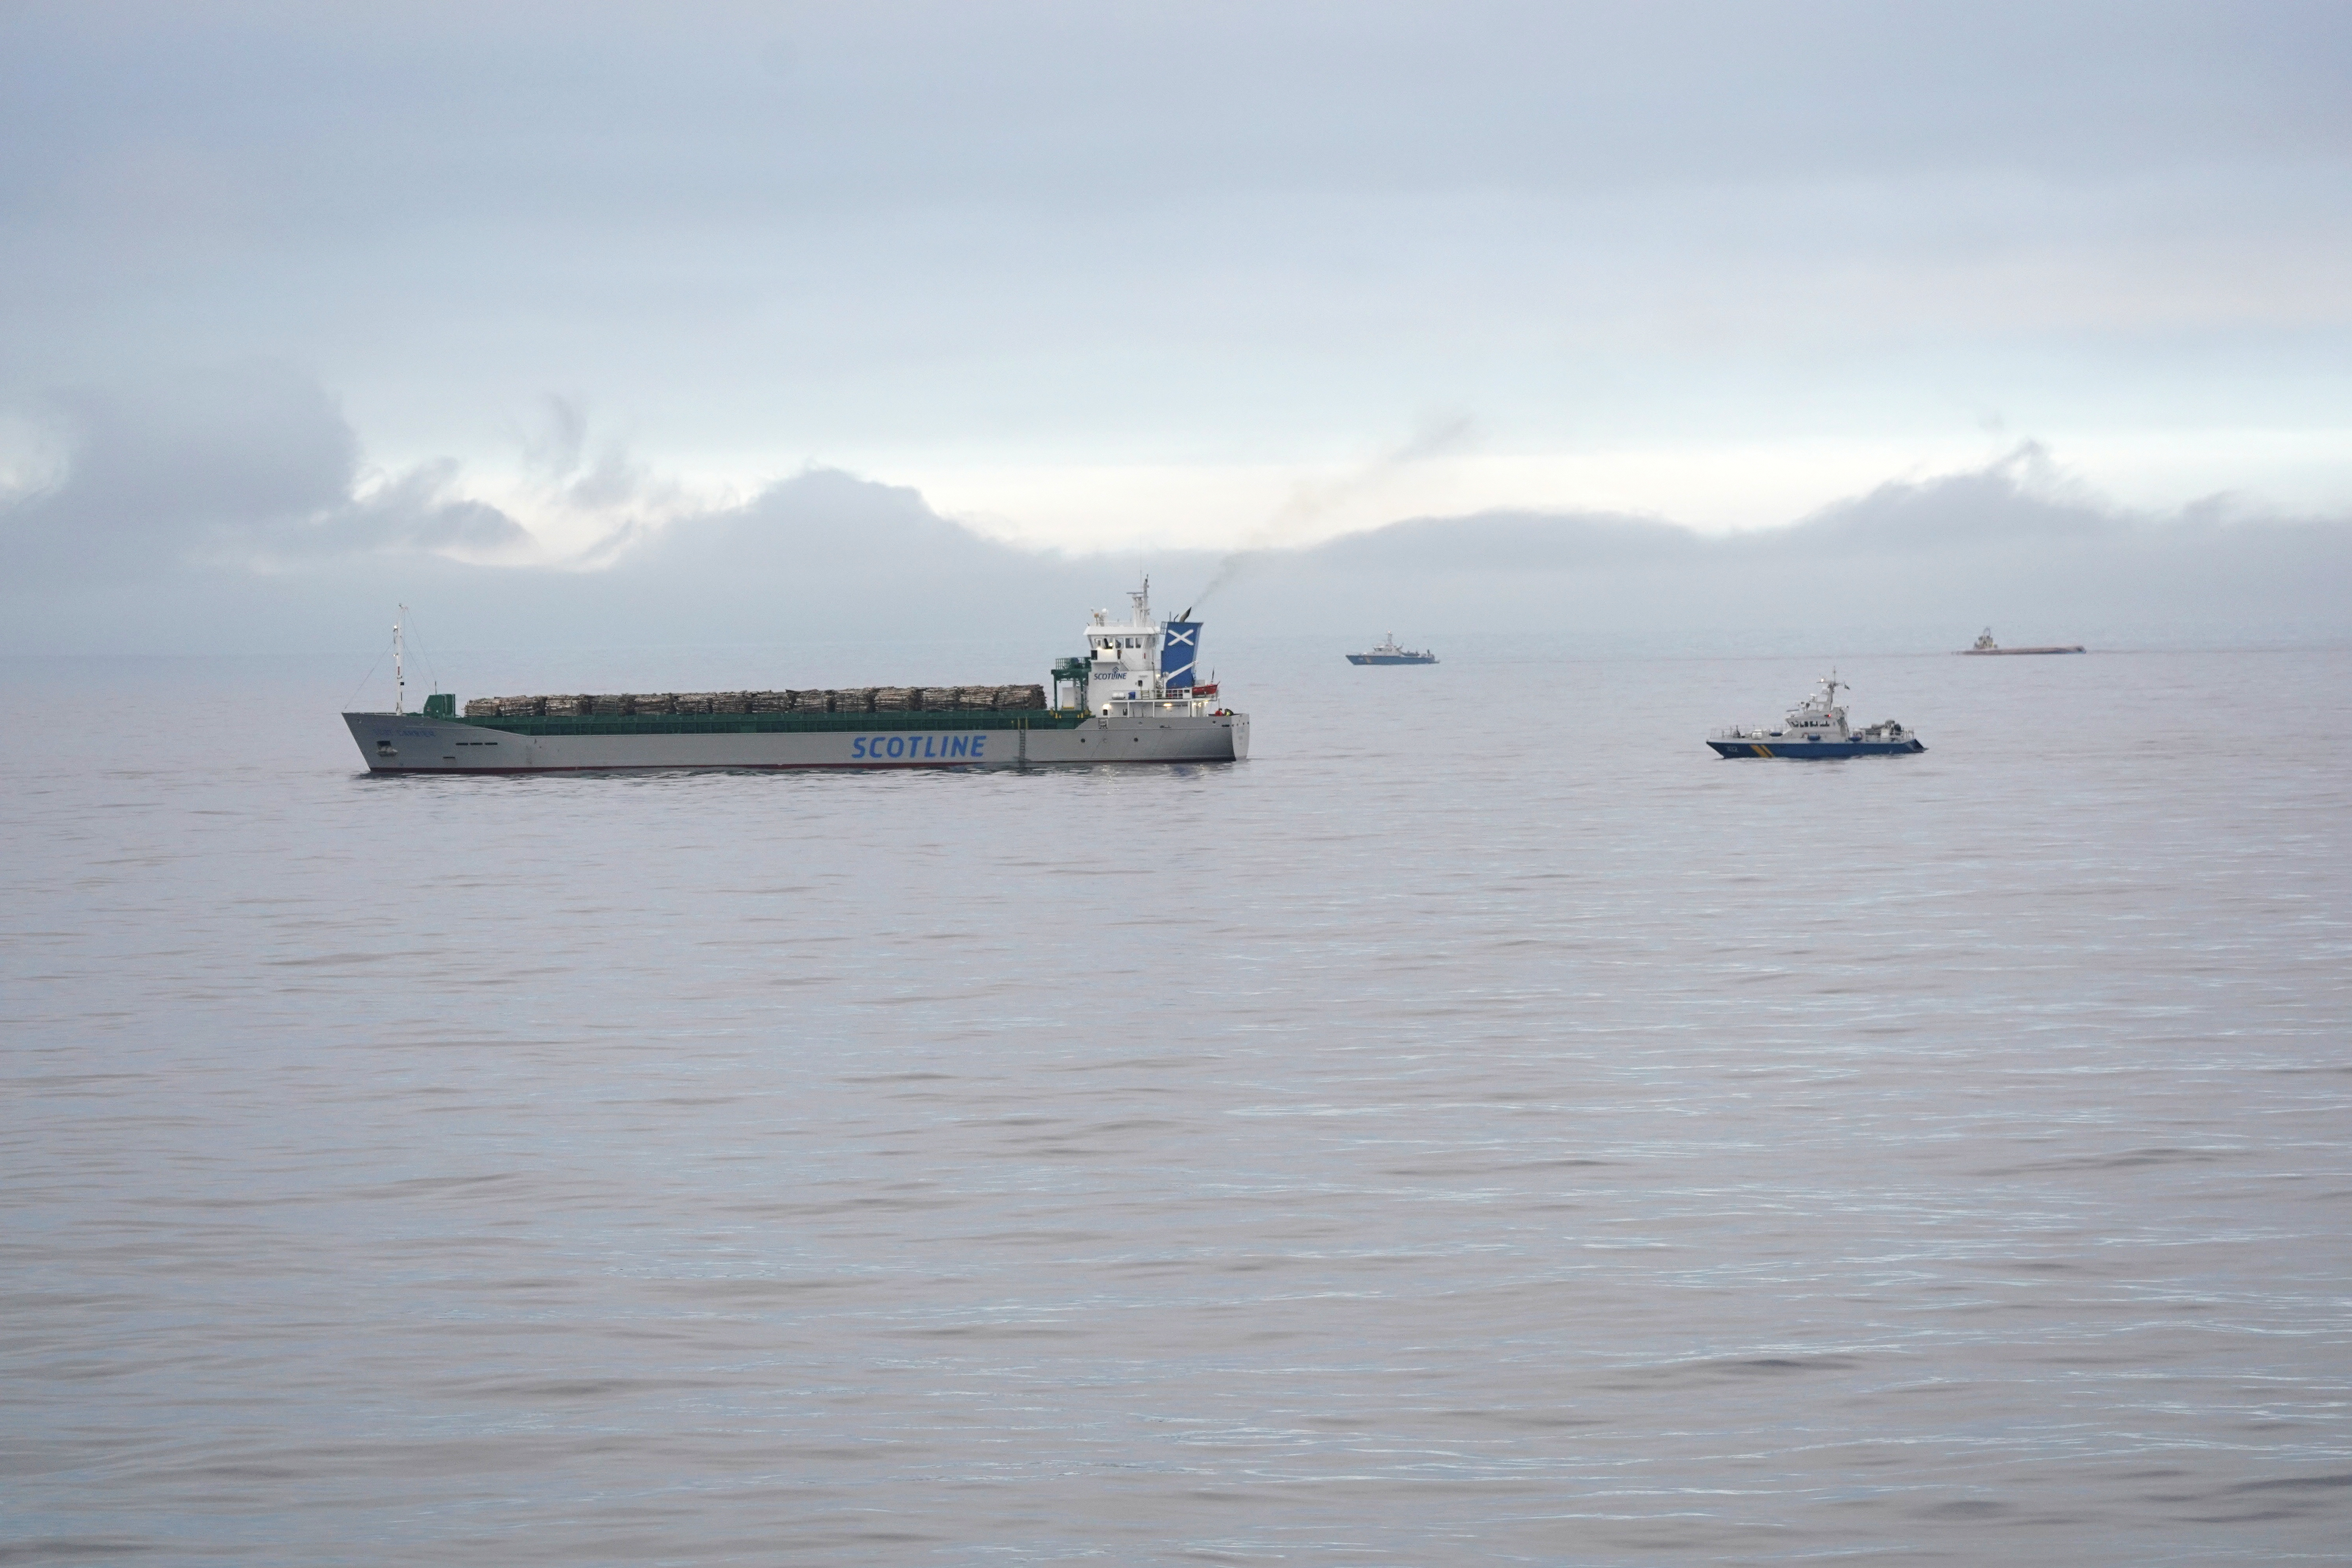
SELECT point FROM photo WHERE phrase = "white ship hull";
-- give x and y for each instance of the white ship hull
(406, 744)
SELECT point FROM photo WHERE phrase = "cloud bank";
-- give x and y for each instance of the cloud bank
(235, 512)
(252, 467)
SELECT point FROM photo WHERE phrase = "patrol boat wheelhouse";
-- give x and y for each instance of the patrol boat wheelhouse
(1132, 699)
(1816, 729)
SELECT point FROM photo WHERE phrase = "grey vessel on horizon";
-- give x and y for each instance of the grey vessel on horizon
(1387, 652)
(1985, 645)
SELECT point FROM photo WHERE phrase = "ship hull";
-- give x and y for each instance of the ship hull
(1815, 751)
(406, 744)
(1390, 658)
(2013, 652)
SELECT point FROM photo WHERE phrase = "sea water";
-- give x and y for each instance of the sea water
(1483, 1127)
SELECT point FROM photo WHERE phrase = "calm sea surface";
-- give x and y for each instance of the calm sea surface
(1483, 1127)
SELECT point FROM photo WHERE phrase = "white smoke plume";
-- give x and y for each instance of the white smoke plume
(1309, 504)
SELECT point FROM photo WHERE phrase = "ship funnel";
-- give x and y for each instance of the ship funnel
(1179, 649)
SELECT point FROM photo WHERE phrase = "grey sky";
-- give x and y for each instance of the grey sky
(1115, 276)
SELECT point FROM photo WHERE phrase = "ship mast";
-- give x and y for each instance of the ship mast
(399, 676)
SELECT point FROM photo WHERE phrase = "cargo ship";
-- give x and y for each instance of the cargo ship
(1816, 731)
(1985, 645)
(1132, 697)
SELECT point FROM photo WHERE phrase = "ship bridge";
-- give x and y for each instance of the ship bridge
(1141, 665)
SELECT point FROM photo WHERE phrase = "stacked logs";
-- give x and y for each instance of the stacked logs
(856, 699)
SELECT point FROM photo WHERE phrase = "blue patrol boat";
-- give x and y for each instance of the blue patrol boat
(1815, 729)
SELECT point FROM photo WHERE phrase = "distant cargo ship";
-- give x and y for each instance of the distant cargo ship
(1816, 731)
(1132, 697)
(1390, 653)
(1984, 644)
